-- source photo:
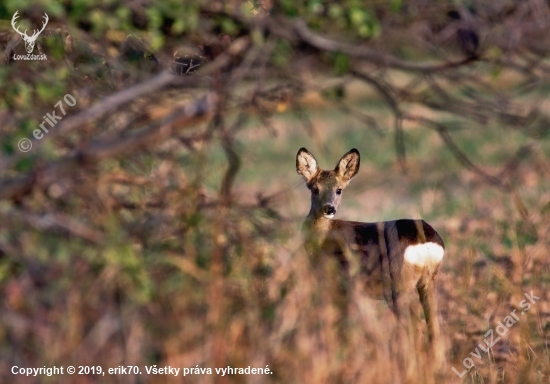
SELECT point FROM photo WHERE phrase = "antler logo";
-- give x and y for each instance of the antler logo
(29, 40)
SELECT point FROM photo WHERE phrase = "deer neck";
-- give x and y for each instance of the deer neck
(316, 229)
(318, 222)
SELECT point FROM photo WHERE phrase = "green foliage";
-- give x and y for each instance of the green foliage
(351, 18)
(282, 53)
(396, 5)
(341, 63)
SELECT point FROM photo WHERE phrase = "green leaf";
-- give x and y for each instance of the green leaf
(341, 63)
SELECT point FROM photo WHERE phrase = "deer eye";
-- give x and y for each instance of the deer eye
(339, 191)
(315, 190)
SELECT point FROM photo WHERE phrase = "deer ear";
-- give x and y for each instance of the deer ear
(348, 166)
(306, 165)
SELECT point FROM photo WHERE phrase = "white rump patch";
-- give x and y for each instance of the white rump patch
(424, 254)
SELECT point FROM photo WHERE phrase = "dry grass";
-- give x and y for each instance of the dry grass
(183, 282)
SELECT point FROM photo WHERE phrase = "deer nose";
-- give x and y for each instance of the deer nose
(329, 209)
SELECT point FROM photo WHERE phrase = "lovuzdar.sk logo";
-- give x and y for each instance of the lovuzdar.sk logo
(29, 40)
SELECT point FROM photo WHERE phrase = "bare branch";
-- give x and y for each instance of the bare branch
(107, 148)
(497, 180)
(394, 105)
(232, 155)
(54, 222)
(119, 99)
(366, 53)
(362, 117)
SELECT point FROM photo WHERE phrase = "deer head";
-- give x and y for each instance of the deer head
(326, 186)
(29, 40)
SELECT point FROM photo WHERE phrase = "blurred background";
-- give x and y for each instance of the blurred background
(157, 220)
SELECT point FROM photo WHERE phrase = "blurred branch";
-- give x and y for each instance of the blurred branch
(121, 98)
(118, 146)
(108, 105)
(293, 30)
(383, 89)
(386, 92)
(108, 148)
(362, 52)
(497, 180)
(362, 117)
(453, 106)
(53, 222)
(233, 158)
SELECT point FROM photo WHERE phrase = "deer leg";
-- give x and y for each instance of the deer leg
(426, 292)
(403, 343)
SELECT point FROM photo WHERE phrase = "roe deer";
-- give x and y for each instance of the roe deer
(395, 257)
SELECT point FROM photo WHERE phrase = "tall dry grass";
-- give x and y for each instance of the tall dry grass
(186, 278)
